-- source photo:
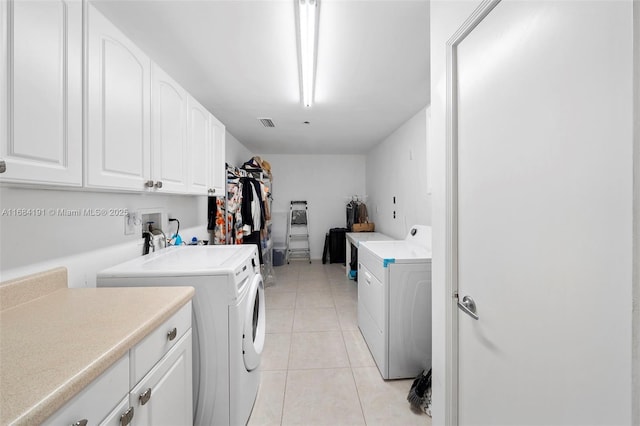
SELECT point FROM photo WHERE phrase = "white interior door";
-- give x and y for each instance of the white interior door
(542, 142)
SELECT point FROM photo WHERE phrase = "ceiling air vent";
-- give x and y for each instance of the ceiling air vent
(266, 122)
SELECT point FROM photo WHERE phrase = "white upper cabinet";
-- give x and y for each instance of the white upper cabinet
(207, 151)
(218, 173)
(169, 135)
(41, 91)
(118, 108)
(200, 148)
(142, 130)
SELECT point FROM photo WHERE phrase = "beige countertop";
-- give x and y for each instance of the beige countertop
(54, 340)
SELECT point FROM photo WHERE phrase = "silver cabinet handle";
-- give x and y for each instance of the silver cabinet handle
(159, 184)
(149, 184)
(145, 396)
(3, 166)
(82, 422)
(172, 334)
(468, 306)
(126, 418)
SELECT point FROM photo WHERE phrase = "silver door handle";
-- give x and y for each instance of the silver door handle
(468, 306)
(172, 334)
(145, 396)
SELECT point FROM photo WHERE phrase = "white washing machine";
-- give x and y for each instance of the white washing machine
(228, 321)
(394, 302)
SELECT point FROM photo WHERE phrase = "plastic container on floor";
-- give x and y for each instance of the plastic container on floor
(279, 254)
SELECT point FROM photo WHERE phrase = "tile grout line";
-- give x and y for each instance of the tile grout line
(296, 308)
(353, 376)
(355, 383)
(286, 378)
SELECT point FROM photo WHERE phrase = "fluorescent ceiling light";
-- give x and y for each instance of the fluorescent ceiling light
(307, 43)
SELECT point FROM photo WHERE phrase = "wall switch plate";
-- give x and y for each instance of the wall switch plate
(133, 223)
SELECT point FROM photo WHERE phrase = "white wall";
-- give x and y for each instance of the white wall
(236, 153)
(326, 182)
(31, 243)
(398, 167)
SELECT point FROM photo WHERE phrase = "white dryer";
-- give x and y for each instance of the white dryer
(394, 302)
(228, 321)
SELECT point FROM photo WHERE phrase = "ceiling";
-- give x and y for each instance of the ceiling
(239, 59)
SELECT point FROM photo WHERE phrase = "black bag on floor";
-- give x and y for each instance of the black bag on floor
(325, 252)
(337, 241)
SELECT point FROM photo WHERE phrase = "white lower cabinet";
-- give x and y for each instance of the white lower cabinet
(160, 397)
(117, 416)
(99, 401)
(161, 394)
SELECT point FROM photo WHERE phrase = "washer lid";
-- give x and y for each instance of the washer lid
(397, 251)
(420, 235)
(184, 261)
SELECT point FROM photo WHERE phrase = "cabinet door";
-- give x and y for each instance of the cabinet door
(99, 400)
(118, 117)
(169, 136)
(200, 148)
(218, 168)
(115, 418)
(41, 91)
(165, 396)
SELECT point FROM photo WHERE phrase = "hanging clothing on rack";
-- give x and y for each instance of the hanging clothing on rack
(363, 216)
(352, 213)
(220, 229)
(216, 219)
(253, 210)
(253, 213)
(356, 213)
(234, 213)
(247, 212)
(212, 211)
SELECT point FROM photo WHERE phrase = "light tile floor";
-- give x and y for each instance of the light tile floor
(316, 366)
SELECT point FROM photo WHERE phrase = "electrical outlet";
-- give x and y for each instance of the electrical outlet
(133, 223)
